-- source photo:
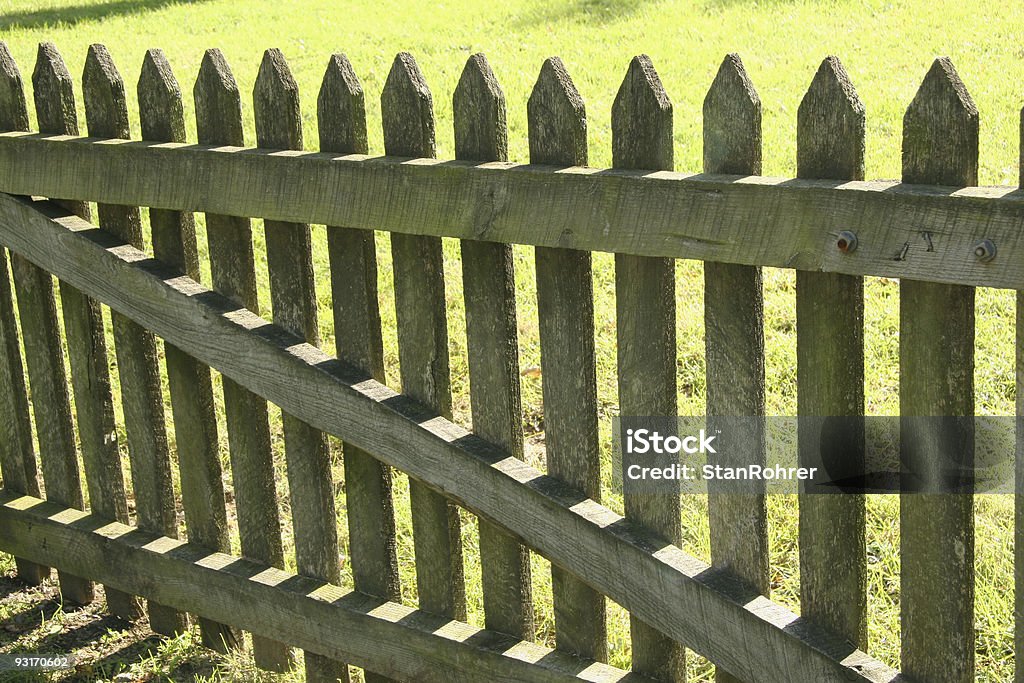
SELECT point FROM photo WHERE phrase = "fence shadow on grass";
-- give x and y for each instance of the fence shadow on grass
(26, 620)
(10, 586)
(81, 636)
(586, 11)
(75, 14)
(725, 4)
(119, 660)
(189, 668)
(38, 608)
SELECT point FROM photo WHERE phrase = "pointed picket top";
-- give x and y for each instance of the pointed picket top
(478, 109)
(557, 118)
(642, 119)
(830, 126)
(160, 108)
(13, 109)
(276, 104)
(341, 109)
(732, 121)
(218, 102)
(54, 93)
(407, 109)
(940, 130)
(106, 108)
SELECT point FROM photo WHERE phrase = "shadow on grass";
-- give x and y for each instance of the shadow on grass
(760, 4)
(36, 609)
(583, 11)
(74, 14)
(81, 636)
(197, 664)
(117, 661)
(90, 643)
(10, 585)
(27, 620)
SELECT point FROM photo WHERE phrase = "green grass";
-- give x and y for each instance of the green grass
(886, 47)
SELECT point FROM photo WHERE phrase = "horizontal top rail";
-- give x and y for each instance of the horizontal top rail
(904, 231)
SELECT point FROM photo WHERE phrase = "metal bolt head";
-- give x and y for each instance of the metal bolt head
(846, 242)
(985, 250)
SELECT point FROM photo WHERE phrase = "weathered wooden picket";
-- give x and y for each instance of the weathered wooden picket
(729, 216)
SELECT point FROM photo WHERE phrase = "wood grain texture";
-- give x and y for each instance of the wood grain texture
(734, 342)
(645, 304)
(559, 522)
(17, 454)
(749, 220)
(191, 387)
(830, 368)
(53, 93)
(219, 121)
(940, 145)
(557, 122)
(373, 545)
(418, 263)
(106, 115)
(84, 330)
(293, 299)
(44, 356)
(341, 110)
(51, 405)
(408, 644)
(488, 279)
(13, 108)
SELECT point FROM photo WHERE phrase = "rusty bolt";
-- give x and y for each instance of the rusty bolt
(847, 242)
(985, 250)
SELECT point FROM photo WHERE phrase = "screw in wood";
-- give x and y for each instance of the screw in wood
(847, 242)
(985, 250)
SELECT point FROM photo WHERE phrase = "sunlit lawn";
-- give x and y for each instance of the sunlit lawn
(886, 47)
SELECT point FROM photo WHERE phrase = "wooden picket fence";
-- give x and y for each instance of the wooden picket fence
(922, 230)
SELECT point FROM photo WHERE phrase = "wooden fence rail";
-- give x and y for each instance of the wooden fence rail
(785, 223)
(368, 631)
(934, 230)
